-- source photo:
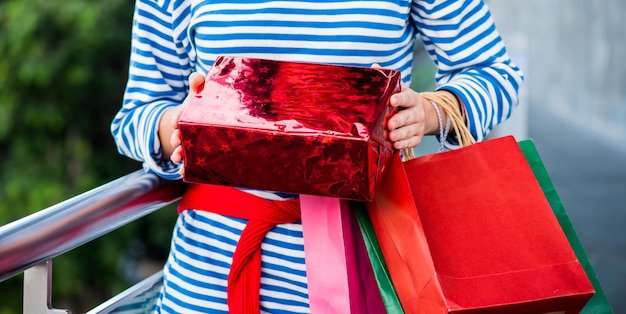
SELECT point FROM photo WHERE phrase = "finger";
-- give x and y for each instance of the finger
(196, 81)
(177, 155)
(411, 142)
(404, 133)
(405, 99)
(376, 66)
(175, 139)
(404, 118)
(176, 115)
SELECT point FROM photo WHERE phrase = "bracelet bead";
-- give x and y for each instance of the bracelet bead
(443, 132)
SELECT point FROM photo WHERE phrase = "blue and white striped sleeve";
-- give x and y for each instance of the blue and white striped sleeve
(472, 62)
(158, 78)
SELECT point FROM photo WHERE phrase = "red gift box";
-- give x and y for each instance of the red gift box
(291, 127)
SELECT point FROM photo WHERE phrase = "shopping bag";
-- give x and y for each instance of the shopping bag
(403, 243)
(598, 304)
(375, 254)
(470, 231)
(340, 278)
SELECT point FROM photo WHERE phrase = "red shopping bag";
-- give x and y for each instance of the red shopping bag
(470, 231)
(340, 278)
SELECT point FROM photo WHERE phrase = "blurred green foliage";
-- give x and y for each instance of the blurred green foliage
(62, 73)
(63, 66)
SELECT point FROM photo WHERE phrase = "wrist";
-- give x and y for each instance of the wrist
(457, 102)
(453, 109)
(435, 117)
(443, 130)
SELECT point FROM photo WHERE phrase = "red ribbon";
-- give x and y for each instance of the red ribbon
(244, 278)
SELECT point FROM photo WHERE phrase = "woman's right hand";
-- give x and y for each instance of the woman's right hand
(168, 126)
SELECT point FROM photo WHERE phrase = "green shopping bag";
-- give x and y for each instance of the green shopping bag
(598, 304)
(383, 279)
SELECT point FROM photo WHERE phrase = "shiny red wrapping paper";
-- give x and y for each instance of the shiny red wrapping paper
(290, 127)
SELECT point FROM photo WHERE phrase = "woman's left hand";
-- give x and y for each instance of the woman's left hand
(409, 125)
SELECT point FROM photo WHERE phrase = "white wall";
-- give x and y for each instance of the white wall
(573, 53)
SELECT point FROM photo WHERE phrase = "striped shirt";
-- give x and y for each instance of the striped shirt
(173, 38)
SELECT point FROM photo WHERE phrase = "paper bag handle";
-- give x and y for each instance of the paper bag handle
(453, 112)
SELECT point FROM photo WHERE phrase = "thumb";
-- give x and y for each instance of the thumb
(196, 82)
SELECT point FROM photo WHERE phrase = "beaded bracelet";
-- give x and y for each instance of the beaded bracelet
(454, 120)
(443, 133)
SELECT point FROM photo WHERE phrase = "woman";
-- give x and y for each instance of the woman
(176, 42)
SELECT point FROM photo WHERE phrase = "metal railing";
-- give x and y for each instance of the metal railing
(29, 244)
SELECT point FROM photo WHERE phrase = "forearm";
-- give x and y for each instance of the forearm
(489, 95)
(135, 130)
(472, 65)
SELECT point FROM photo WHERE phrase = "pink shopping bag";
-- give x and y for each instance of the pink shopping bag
(339, 273)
